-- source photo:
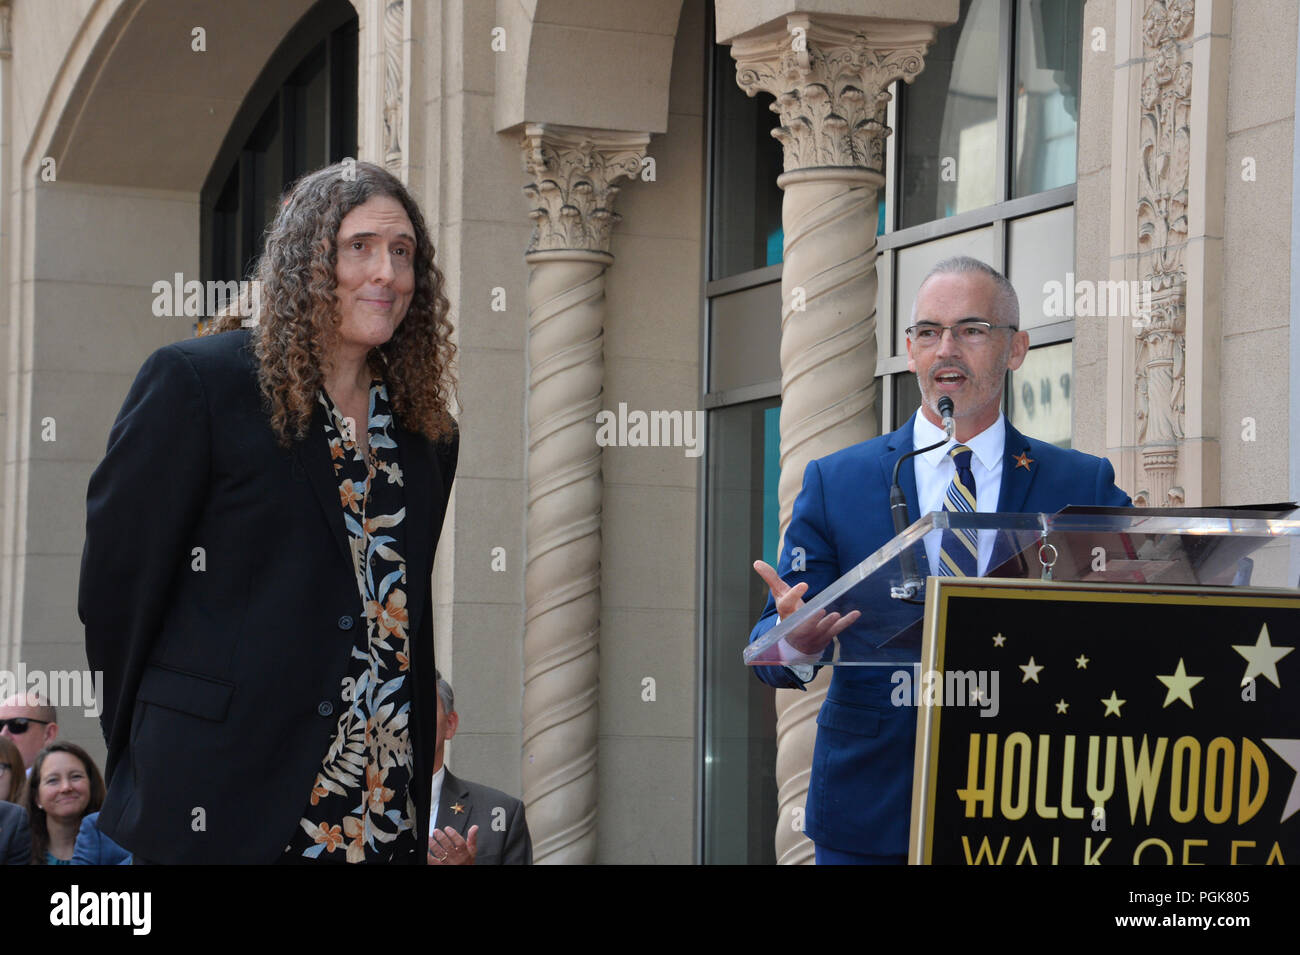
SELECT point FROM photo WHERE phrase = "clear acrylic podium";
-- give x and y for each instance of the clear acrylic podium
(1257, 548)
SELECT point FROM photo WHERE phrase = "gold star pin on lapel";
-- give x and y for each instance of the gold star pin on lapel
(1023, 460)
(457, 809)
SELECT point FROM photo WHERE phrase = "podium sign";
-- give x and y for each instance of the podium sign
(1113, 724)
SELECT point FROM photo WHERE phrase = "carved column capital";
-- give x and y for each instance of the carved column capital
(572, 190)
(830, 77)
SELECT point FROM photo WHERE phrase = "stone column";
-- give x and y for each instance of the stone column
(829, 76)
(572, 194)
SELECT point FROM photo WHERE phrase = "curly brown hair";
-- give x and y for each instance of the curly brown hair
(297, 318)
(40, 826)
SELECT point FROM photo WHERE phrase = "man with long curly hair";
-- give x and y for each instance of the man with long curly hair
(255, 583)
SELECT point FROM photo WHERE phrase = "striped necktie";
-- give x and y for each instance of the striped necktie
(959, 549)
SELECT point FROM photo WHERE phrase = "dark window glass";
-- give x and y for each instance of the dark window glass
(949, 124)
(747, 231)
(299, 115)
(740, 807)
(1046, 107)
(907, 397)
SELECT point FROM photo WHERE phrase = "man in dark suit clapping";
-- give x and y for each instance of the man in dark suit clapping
(474, 824)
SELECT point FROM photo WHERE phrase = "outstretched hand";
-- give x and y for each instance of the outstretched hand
(812, 636)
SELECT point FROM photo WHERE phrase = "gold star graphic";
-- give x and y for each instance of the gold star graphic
(1180, 685)
(1023, 460)
(1261, 659)
(1031, 671)
(1081, 662)
(1113, 705)
(999, 640)
(1062, 706)
(457, 809)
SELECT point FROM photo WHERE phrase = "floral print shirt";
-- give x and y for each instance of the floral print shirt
(362, 805)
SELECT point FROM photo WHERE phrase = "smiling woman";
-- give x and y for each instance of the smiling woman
(65, 786)
(265, 624)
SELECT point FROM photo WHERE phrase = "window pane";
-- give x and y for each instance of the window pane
(950, 118)
(745, 337)
(907, 397)
(1038, 399)
(1040, 250)
(747, 230)
(1048, 37)
(739, 711)
(915, 261)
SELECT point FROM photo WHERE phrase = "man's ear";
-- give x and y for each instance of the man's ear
(51, 733)
(1019, 348)
(452, 722)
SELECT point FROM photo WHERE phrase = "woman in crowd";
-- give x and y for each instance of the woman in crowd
(65, 785)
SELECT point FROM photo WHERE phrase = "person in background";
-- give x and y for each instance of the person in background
(15, 835)
(65, 786)
(479, 825)
(30, 722)
(13, 771)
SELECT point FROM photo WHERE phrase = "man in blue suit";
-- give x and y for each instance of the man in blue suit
(963, 338)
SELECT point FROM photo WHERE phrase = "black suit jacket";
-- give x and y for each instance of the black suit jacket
(503, 837)
(223, 668)
(15, 835)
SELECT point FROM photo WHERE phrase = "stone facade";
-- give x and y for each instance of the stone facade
(567, 572)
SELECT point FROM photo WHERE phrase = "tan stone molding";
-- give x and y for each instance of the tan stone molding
(384, 84)
(6, 22)
(829, 77)
(572, 193)
(397, 74)
(572, 190)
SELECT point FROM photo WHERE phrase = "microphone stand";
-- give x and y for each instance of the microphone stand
(912, 582)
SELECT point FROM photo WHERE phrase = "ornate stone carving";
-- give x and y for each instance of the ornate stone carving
(831, 80)
(1166, 95)
(573, 189)
(394, 82)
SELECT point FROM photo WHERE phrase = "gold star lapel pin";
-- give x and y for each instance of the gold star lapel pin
(1023, 460)
(457, 808)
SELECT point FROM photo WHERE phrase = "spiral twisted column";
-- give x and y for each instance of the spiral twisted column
(572, 196)
(829, 77)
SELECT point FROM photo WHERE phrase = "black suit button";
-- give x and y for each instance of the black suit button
(345, 622)
(325, 708)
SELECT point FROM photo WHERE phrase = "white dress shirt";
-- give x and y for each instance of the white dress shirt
(935, 470)
(438, 777)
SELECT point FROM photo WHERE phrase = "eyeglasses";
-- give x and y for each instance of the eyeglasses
(969, 331)
(17, 725)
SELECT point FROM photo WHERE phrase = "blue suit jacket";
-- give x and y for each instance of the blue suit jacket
(95, 848)
(860, 792)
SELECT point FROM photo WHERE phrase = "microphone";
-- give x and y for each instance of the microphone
(945, 412)
(912, 583)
